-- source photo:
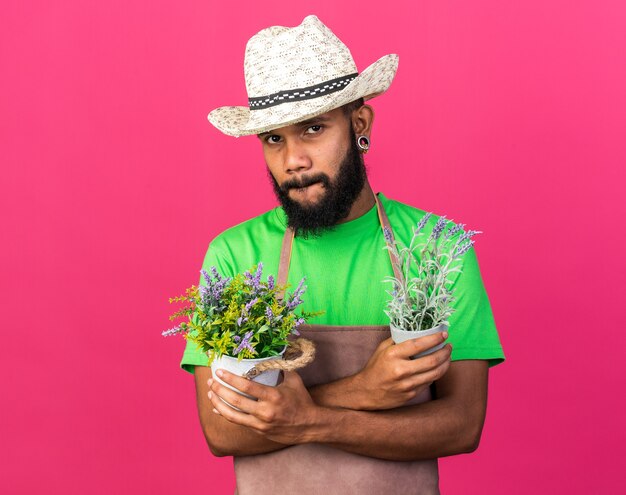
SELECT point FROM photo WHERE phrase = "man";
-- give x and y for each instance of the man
(380, 428)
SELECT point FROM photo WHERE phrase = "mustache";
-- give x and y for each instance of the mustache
(305, 182)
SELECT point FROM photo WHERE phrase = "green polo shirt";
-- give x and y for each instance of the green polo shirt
(344, 270)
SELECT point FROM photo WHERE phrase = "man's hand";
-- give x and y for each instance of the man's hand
(285, 413)
(391, 378)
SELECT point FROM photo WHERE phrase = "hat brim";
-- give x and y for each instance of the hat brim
(240, 121)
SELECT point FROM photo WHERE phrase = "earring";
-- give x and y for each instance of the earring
(363, 143)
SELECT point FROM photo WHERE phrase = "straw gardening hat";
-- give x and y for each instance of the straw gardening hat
(293, 74)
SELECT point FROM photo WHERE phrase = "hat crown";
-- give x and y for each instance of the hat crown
(280, 58)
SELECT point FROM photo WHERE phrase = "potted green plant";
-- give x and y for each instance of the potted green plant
(420, 305)
(242, 323)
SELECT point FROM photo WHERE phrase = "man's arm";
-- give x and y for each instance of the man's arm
(223, 437)
(388, 380)
(450, 424)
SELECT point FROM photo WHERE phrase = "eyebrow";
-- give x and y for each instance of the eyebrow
(304, 123)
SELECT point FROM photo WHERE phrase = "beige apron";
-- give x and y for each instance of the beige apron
(314, 469)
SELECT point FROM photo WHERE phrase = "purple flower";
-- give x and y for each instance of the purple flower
(422, 222)
(255, 280)
(297, 323)
(259, 270)
(211, 294)
(300, 289)
(469, 234)
(245, 311)
(293, 303)
(248, 306)
(269, 313)
(215, 273)
(438, 228)
(245, 343)
(218, 288)
(172, 331)
(236, 338)
(206, 276)
(295, 298)
(450, 232)
(388, 236)
(270, 282)
(463, 249)
(205, 292)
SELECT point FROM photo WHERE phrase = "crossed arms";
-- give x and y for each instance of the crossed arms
(364, 413)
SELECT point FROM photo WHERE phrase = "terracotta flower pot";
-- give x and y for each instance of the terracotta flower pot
(398, 335)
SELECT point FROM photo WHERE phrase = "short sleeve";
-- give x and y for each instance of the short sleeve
(472, 329)
(192, 355)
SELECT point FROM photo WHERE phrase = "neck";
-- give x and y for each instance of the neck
(364, 202)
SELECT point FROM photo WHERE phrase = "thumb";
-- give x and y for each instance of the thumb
(292, 379)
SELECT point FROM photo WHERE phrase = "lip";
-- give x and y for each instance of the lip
(306, 187)
(306, 190)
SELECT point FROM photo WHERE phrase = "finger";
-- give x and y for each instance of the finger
(430, 361)
(411, 347)
(234, 416)
(430, 376)
(388, 342)
(247, 405)
(250, 387)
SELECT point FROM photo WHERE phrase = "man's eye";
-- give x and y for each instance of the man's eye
(269, 138)
(319, 127)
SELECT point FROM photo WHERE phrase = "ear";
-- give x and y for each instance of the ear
(362, 120)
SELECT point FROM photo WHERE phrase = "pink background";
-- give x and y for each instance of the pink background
(506, 116)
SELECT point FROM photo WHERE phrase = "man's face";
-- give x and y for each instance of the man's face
(316, 170)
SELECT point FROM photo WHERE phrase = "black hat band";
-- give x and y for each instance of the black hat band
(298, 94)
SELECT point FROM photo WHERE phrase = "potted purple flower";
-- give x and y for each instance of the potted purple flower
(421, 305)
(243, 324)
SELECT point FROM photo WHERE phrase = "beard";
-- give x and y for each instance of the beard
(337, 200)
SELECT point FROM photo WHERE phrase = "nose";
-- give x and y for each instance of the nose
(295, 157)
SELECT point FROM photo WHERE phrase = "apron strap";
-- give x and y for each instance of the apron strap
(285, 254)
(384, 222)
(285, 258)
